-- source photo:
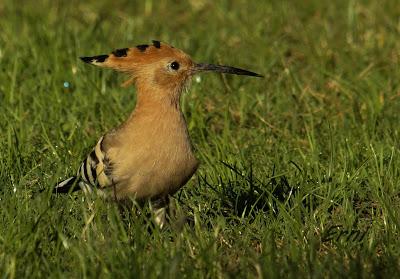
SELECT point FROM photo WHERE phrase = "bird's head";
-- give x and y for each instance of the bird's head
(158, 66)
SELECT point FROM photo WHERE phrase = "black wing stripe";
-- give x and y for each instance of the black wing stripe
(89, 171)
(96, 168)
(92, 161)
(94, 173)
(93, 157)
(102, 146)
(66, 185)
(84, 173)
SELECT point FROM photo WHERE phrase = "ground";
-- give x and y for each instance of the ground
(300, 170)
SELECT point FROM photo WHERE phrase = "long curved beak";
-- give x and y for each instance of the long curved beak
(201, 67)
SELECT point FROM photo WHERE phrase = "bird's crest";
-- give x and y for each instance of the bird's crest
(129, 59)
(136, 61)
(126, 54)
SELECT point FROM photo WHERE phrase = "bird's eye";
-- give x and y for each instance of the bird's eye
(174, 66)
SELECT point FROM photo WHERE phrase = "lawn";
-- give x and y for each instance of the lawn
(300, 170)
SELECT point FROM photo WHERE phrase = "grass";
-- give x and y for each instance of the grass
(300, 171)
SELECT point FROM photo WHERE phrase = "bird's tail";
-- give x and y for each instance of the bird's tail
(68, 185)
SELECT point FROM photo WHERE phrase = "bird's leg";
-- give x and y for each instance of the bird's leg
(159, 208)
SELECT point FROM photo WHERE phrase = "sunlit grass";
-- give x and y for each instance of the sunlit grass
(299, 171)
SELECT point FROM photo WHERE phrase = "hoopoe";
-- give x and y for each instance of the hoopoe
(149, 156)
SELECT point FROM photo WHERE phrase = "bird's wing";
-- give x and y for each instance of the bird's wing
(95, 171)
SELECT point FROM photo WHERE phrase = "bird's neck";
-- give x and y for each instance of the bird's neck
(155, 107)
(154, 101)
(158, 120)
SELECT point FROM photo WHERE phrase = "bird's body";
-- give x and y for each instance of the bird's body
(150, 155)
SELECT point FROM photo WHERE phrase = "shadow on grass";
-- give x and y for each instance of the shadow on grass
(246, 195)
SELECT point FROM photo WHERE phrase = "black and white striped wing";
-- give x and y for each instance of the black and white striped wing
(93, 168)
(94, 171)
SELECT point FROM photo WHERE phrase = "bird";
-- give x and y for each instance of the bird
(149, 156)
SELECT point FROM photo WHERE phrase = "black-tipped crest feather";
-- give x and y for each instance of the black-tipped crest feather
(94, 59)
(122, 52)
(156, 44)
